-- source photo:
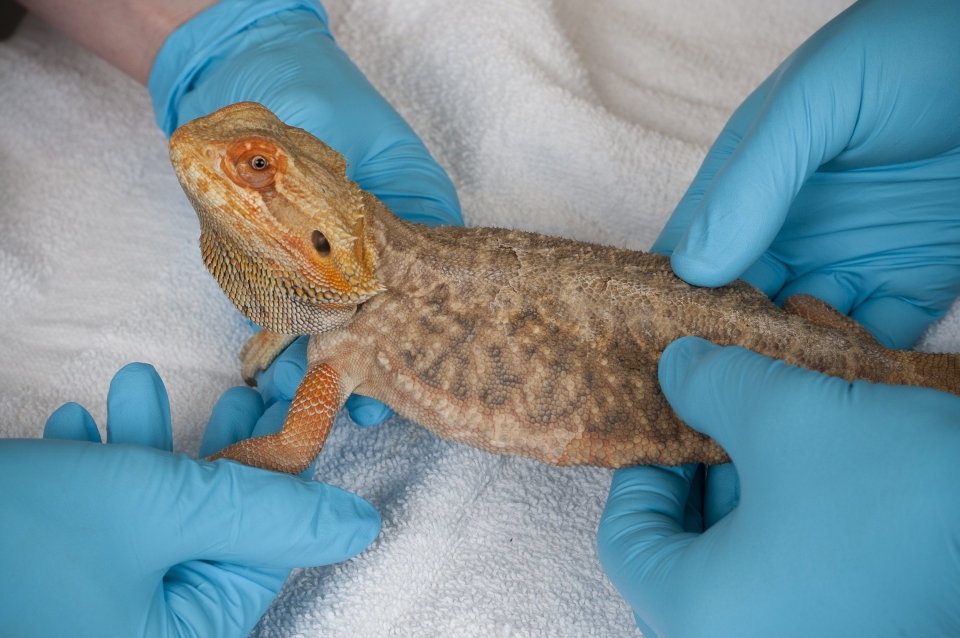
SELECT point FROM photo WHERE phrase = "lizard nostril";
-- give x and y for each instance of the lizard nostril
(320, 243)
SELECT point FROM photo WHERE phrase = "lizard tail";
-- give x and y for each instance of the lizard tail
(938, 371)
(932, 370)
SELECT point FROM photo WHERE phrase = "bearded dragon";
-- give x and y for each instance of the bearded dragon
(513, 342)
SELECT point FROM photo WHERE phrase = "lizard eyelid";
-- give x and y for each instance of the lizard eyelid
(320, 243)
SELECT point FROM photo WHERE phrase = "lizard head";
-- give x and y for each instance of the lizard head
(282, 229)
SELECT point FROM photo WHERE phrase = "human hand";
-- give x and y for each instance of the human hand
(127, 539)
(840, 175)
(281, 54)
(848, 522)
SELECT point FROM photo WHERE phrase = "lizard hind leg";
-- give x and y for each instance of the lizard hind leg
(819, 312)
(291, 450)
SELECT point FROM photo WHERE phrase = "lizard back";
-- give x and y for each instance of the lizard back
(548, 348)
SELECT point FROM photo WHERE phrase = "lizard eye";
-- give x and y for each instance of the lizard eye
(320, 243)
(256, 170)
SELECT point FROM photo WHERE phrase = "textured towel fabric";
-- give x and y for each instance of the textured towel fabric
(583, 119)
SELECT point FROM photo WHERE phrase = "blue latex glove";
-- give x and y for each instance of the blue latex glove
(281, 54)
(128, 539)
(840, 175)
(848, 524)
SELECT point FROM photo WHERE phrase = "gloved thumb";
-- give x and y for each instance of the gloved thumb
(724, 146)
(758, 409)
(717, 391)
(641, 535)
(239, 507)
(795, 130)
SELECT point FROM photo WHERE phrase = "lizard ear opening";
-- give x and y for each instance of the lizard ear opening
(320, 243)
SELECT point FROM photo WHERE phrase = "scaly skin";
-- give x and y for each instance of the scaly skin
(512, 342)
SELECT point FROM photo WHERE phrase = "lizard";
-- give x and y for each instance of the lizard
(512, 342)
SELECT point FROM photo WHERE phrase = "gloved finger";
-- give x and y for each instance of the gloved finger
(748, 403)
(641, 532)
(220, 599)
(227, 512)
(365, 411)
(281, 379)
(795, 131)
(138, 411)
(725, 144)
(406, 178)
(272, 421)
(768, 274)
(233, 419)
(721, 493)
(71, 422)
(895, 322)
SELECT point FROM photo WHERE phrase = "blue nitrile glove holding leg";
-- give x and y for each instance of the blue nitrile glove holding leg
(281, 54)
(128, 539)
(848, 523)
(838, 177)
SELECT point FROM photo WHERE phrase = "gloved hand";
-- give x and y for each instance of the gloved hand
(848, 523)
(281, 54)
(840, 175)
(127, 539)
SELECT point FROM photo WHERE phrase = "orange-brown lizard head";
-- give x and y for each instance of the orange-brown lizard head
(283, 230)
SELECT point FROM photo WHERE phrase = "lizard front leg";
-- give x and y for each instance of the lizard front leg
(315, 404)
(259, 352)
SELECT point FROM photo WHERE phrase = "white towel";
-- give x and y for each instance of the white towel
(583, 119)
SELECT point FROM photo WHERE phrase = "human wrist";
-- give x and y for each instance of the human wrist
(126, 33)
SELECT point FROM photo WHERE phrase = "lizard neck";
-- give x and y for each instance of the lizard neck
(402, 247)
